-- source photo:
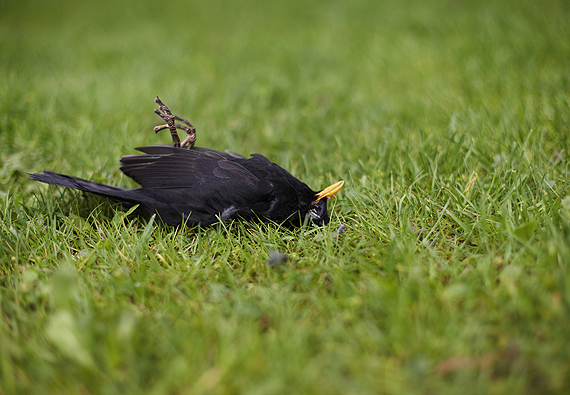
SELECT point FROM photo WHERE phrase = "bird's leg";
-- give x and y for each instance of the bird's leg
(170, 118)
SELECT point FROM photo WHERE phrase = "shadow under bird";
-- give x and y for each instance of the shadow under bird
(199, 186)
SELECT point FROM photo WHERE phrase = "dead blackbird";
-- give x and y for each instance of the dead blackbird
(200, 186)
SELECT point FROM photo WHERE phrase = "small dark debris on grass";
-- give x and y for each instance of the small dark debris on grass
(334, 234)
(341, 229)
(276, 259)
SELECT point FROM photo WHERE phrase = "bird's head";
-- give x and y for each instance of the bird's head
(318, 213)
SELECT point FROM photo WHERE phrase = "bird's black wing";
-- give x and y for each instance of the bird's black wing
(201, 184)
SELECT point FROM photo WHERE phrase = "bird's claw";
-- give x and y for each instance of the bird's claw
(170, 119)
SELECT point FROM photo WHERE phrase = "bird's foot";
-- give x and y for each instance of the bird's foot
(170, 118)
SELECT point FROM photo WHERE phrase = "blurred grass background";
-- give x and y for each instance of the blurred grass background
(449, 121)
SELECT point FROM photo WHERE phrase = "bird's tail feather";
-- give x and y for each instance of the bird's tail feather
(116, 193)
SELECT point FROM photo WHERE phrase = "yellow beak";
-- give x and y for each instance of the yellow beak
(329, 191)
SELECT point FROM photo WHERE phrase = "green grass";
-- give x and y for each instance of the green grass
(449, 122)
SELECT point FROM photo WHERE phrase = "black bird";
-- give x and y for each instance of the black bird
(200, 186)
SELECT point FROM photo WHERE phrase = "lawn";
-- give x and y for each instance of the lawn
(448, 121)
